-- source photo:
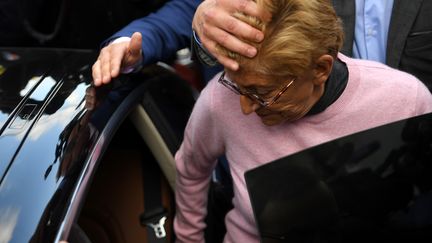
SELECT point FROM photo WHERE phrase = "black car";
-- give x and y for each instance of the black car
(86, 164)
(72, 157)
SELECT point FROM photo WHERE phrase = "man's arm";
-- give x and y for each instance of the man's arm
(162, 34)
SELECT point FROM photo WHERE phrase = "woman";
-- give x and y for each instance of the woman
(297, 92)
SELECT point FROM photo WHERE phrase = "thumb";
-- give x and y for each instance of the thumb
(134, 51)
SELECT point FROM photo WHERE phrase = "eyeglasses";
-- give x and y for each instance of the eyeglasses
(263, 102)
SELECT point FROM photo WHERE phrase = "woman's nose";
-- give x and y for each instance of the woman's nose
(247, 105)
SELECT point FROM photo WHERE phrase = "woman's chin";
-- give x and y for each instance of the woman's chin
(271, 121)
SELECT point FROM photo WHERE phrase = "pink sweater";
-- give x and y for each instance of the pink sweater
(375, 95)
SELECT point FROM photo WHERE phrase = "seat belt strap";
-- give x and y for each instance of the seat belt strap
(155, 214)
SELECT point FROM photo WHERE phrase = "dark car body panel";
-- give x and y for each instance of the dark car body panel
(43, 99)
(373, 186)
(34, 89)
(55, 127)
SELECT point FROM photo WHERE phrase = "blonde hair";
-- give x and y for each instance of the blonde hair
(299, 32)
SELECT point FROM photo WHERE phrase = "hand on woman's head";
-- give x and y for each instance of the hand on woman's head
(216, 24)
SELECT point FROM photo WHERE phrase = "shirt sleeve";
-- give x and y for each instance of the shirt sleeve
(195, 161)
(200, 53)
(164, 32)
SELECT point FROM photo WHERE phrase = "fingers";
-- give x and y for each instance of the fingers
(231, 24)
(250, 8)
(211, 46)
(227, 62)
(246, 6)
(213, 14)
(114, 59)
(116, 56)
(108, 63)
(214, 23)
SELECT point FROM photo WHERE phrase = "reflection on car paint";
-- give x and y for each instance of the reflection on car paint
(365, 187)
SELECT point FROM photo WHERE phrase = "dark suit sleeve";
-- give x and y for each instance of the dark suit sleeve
(345, 9)
(165, 31)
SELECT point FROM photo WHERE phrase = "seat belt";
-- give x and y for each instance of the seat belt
(155, 215)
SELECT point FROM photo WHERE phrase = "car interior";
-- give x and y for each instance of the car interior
(137, 165)
(115, 200)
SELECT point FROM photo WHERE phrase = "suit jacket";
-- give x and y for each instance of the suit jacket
(163, 32)
(409, 45)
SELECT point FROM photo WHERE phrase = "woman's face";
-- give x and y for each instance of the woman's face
(292, 104)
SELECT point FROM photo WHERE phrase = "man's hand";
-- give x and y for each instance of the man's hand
(115, 57)
(214, 23)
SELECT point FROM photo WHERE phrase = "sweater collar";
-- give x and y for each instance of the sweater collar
(334, 87)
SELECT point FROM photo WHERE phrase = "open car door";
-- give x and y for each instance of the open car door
(373, 186)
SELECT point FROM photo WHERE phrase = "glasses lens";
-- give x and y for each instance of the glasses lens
(233, 87)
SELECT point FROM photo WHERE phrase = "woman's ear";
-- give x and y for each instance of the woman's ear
(322, 69)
